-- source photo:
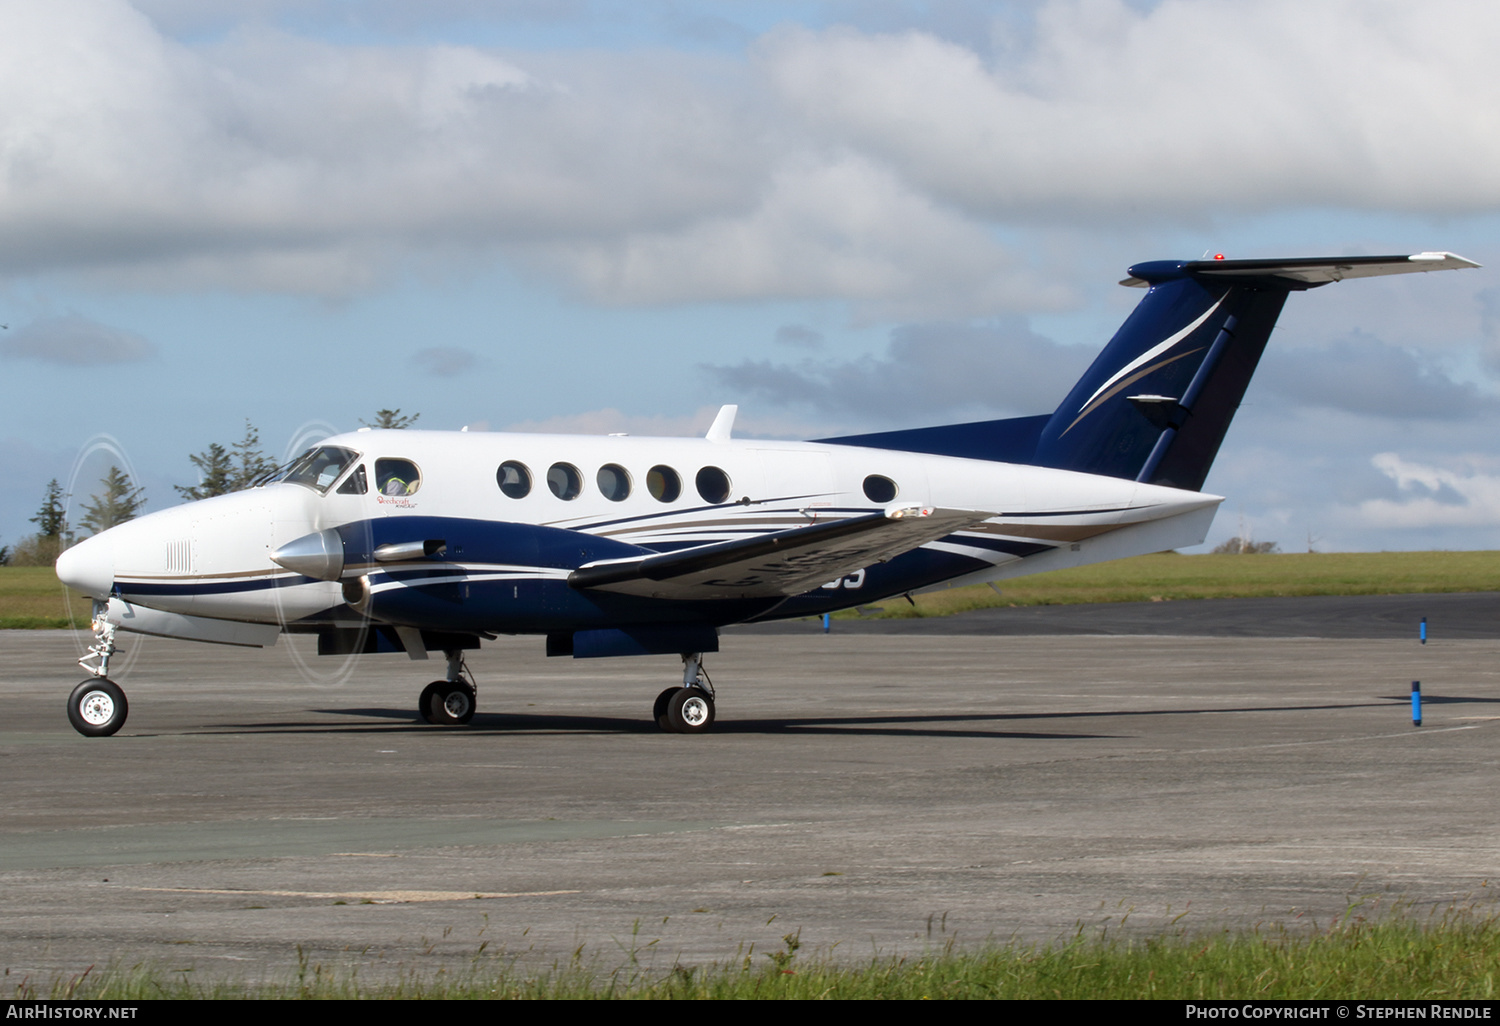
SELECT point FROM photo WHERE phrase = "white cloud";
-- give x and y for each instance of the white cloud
(1464, 494)
(1178, 110)
(269, 160)
(844, 227)
(1361, 374)
(928, 371)
(839, 164)
(75, 341)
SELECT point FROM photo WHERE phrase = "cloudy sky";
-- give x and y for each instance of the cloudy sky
(845, 216)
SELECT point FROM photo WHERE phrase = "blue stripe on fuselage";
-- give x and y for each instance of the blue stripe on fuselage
(475, 589)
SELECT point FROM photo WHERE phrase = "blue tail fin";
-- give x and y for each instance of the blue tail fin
(1156, 403)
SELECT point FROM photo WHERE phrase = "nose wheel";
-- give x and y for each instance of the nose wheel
(97, 707)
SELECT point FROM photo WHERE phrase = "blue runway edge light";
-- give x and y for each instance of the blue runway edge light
(1416, 703)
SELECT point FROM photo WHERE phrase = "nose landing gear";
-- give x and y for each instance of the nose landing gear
(97, 707)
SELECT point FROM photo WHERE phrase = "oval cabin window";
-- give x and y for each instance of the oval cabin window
(663, 484)
(614, 482)
(879, 489)
(713, 485)
(565, 481)
(514, 479)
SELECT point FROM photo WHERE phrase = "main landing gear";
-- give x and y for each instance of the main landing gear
(449, 702)
(684, 709)
(97, 707)
(688, 709)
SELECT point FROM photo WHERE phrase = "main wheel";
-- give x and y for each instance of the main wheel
(659, 710)
(97, 707)
(428, 696)
(447, 702)
(690, 711)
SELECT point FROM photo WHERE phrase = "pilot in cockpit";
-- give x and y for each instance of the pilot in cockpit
(397, 477)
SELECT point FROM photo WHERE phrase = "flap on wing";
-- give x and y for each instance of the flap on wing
(784, 563)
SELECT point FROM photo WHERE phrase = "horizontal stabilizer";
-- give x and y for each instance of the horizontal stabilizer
(785, 563)
(1310, 271)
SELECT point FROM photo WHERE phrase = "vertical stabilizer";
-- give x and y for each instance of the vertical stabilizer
(1156, 403)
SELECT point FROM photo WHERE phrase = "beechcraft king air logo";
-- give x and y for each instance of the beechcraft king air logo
(1149, 361)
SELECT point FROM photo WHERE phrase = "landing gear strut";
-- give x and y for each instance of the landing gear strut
(688, 709)
(450, 701)
(97, 707)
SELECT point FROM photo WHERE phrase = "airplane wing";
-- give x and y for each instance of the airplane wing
(780, 564)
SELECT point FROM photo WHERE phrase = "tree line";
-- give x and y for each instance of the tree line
(221, 470)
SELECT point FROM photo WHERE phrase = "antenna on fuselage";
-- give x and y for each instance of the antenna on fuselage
(723, 425)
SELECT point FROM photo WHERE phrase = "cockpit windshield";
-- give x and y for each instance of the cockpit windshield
(318, 468)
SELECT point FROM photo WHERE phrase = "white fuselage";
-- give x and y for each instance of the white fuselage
(213, 558)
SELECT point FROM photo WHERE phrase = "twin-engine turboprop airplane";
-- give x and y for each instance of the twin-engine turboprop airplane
(422, 541)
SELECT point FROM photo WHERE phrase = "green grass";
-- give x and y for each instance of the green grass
(32, 597)
(1167, 576)
(1456, 957)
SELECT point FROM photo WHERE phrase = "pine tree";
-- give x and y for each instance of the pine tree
(221, 470)
(215, 472)
(120, 501)
(249, 462)
(391, 419)
(52, 517)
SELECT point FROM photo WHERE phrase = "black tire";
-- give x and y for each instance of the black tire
(690, 711)
(428, 696)
(97, 708)
(450, 704)
(659, 710)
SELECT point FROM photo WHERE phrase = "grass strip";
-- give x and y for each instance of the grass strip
(1166, 577)
(1454, 958)
(31, 597)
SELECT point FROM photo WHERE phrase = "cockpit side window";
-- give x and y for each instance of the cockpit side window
(319, 468)
(356, 483)
(397, 477)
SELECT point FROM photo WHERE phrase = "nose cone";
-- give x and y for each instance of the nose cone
(89, 566)
(320, 555)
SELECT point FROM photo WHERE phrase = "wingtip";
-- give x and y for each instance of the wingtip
(1447, 260)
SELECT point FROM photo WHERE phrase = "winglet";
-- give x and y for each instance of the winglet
(723, 424)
